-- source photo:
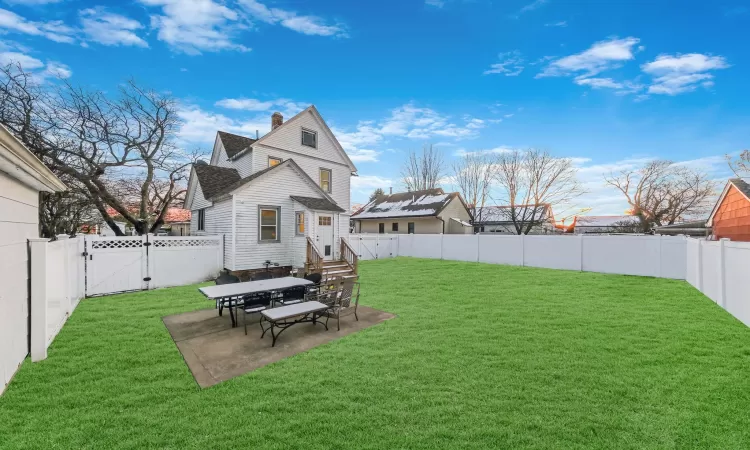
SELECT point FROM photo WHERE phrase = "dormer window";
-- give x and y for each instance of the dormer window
(309, 138)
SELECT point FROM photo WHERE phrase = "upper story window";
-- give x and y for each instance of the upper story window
(326, 178)
(309, 138)
(201, 219)
(274, 161)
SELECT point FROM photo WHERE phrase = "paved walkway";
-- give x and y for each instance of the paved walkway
(214, 352)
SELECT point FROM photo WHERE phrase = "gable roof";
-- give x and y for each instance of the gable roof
(17, 161)
(407, 204)
(319, 204)
(234, 143)
(314, 111)
(215, 179)
(739, 184)
(504, 213)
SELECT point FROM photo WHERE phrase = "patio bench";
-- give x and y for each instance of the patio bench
(281, 318)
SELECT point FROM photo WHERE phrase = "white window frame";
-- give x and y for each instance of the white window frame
(302, 137)
(330, 179)
(262, 208)
(299, 218)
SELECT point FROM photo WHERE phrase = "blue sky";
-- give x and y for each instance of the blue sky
(611, 84)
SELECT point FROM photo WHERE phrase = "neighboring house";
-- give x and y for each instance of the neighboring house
(730, 217)
(420, 212)
(499, 219)
(22, 178)
(607, 224)
(268, 196)
(177, 221)
(696, 228)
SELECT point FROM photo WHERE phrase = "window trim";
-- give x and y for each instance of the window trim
(411, 228)
(278, 224)
(273, 158)
(394, 227)
(297, 215)
(202, 219)
(330, 179)
(302, 137)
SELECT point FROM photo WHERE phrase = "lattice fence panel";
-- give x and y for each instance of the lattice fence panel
(167, 243)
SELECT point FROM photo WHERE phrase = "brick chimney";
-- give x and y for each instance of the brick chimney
(276, 120)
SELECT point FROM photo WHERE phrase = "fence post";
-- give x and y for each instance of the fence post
(700, 264)
(523, 250)
(660, 258)
(38, 298)
(722, 273)
(580, 260)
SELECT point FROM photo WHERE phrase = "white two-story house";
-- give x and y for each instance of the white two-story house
(275, 198)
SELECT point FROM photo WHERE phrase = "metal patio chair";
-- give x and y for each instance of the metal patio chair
(225, 278)
(340, 300)
(254, 303)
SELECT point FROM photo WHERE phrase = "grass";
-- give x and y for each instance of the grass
(479, 356)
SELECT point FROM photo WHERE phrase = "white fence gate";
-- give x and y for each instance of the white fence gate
(374, 246)
(132, 263)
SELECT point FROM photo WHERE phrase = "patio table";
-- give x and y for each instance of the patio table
(281, 317)
(236, 290)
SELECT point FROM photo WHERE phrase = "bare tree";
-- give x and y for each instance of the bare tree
(530, 180)
(662, 192)
(741, 165)
(65, 212)
(424, 171)
(92, 138)
(474, 175)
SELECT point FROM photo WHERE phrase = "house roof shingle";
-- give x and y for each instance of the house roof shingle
(406, 204)
(234, 143)
(606, 221)
(214, 179)
(742, 185)
(319, 204)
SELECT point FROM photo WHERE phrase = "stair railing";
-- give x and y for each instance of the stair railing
(314, 260)
(349, 255)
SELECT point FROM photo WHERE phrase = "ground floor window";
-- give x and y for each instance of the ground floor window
(300, 219)
(381, 228)
(394, 226)
(410, 227)
(268, 218)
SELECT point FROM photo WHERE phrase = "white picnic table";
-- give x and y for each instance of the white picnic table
(236, 290)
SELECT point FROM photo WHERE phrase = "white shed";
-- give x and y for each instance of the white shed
(22, 177)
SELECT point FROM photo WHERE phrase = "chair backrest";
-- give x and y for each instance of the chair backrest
(314, 277)
(226, 278)
(257, 298)
(262, 276)
(346, 292)
(294, 293)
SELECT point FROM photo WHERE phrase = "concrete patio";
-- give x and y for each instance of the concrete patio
(215, 352)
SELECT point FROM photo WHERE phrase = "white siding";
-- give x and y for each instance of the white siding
(18, 222)
(218, 222)
(340, 186)
(455, 209)
(429, 225)
(266, 191)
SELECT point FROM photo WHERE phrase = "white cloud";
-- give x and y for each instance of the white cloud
(560, 24)
(195, 26)
(25, 61)
(676, 74)
(310, 25)
(39, 70)
(597, 83)
(54, 30)
(32, 2)
(110, 29)
(371, 182)
(365, 135)
(200, 127)
(510, 64)
(413, 122)
(601, 56)
(497, 150)
(536, 4)
(435, 3)
(247, 104)
(57, 70)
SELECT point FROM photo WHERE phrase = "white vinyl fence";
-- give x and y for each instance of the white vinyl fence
(66, 270)
(374, 246)
(721, 270)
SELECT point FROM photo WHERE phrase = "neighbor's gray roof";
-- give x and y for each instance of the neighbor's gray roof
(605, 221)
(233, 143)
(742, 185)
(406, 204)
(489, 215)
(691, 224)
(214, 179)
(319, 204)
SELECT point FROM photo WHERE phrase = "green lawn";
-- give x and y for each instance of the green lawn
(479, 356)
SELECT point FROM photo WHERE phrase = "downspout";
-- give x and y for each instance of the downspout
(441, 219)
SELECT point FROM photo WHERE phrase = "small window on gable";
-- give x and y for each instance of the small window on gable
(274, 161)
(300, 228)
(201, 219)
(309, 138)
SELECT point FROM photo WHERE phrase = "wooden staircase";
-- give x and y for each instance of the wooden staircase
(344, 267)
